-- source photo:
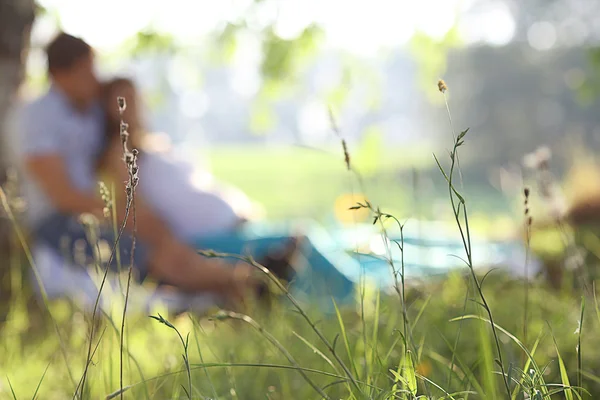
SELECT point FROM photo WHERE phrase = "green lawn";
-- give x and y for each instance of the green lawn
(301, 182)
(370, 351)
(230, 359)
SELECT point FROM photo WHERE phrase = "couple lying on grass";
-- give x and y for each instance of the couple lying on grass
(69, 139)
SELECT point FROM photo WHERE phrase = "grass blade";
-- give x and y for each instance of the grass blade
(579, 354)
(527, 365)
(316, 351)
(11, 389)
(375, 339)
(40, 382)
(563, 374)
(345, 338)
(515, 340)
(408, 372)
(489, 379)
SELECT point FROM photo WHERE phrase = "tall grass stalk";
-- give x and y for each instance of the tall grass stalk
(464, 229)
(130, 160)
(97, 301)
(528, 222)
(195, 324)
(297, 306)
(579, 351)
(186, 357)
(223, 315)
(379, 217)
(91, 233)
(362, 279)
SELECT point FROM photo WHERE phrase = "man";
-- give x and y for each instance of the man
(60, 139)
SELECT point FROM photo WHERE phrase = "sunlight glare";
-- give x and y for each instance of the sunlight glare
(492, 23)
(357, 26)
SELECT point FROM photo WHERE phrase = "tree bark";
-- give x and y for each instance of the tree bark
(16, 19)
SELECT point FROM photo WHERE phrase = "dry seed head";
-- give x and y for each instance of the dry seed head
(124, 126)
(346, 154)
(122, 104)
(105, 198)
(124, 134)
(442, 86)
(88, 220)
(129, 157)
(332, 121)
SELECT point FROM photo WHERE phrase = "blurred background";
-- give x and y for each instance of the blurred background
(242, 88)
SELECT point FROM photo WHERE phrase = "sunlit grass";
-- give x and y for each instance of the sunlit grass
(453, 337)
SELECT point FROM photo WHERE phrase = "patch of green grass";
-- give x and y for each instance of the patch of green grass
(293, 182)
(453, 337)
(236, 358)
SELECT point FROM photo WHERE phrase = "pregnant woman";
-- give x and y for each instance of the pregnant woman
(207, 218)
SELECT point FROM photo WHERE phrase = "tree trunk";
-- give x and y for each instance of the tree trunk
(16, 19)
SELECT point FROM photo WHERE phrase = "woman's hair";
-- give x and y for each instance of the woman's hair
(108, 92)
(112, 129)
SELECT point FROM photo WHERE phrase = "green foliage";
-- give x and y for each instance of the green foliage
(431, 57)
(282, 59)
(150, 41)
(368, 155)
(250, 367)
(589, 89)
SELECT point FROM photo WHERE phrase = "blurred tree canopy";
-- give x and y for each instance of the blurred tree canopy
(553, 87)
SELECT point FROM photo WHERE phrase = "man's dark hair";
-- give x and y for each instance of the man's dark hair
(64, 51)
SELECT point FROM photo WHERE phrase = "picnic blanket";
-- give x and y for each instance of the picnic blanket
(347, 256)
(334, 263)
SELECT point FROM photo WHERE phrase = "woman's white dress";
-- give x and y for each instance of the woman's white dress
(191, 210)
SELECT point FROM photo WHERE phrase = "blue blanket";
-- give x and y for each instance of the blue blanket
(334, 261)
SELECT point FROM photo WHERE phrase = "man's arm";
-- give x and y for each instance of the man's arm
(172, 261)
(50, 173)
(41, 144)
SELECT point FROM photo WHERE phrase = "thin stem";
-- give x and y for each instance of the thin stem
(453, 135)
(275, 342)
(91, 239)
(232, 365)
(131, 261)
(294, 302)
(526, 288)
(453, 359)
(466, 237)
(185, 344)
(95, 310)
(195, 324)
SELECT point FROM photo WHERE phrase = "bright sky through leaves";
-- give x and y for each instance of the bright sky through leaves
(359, 26)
